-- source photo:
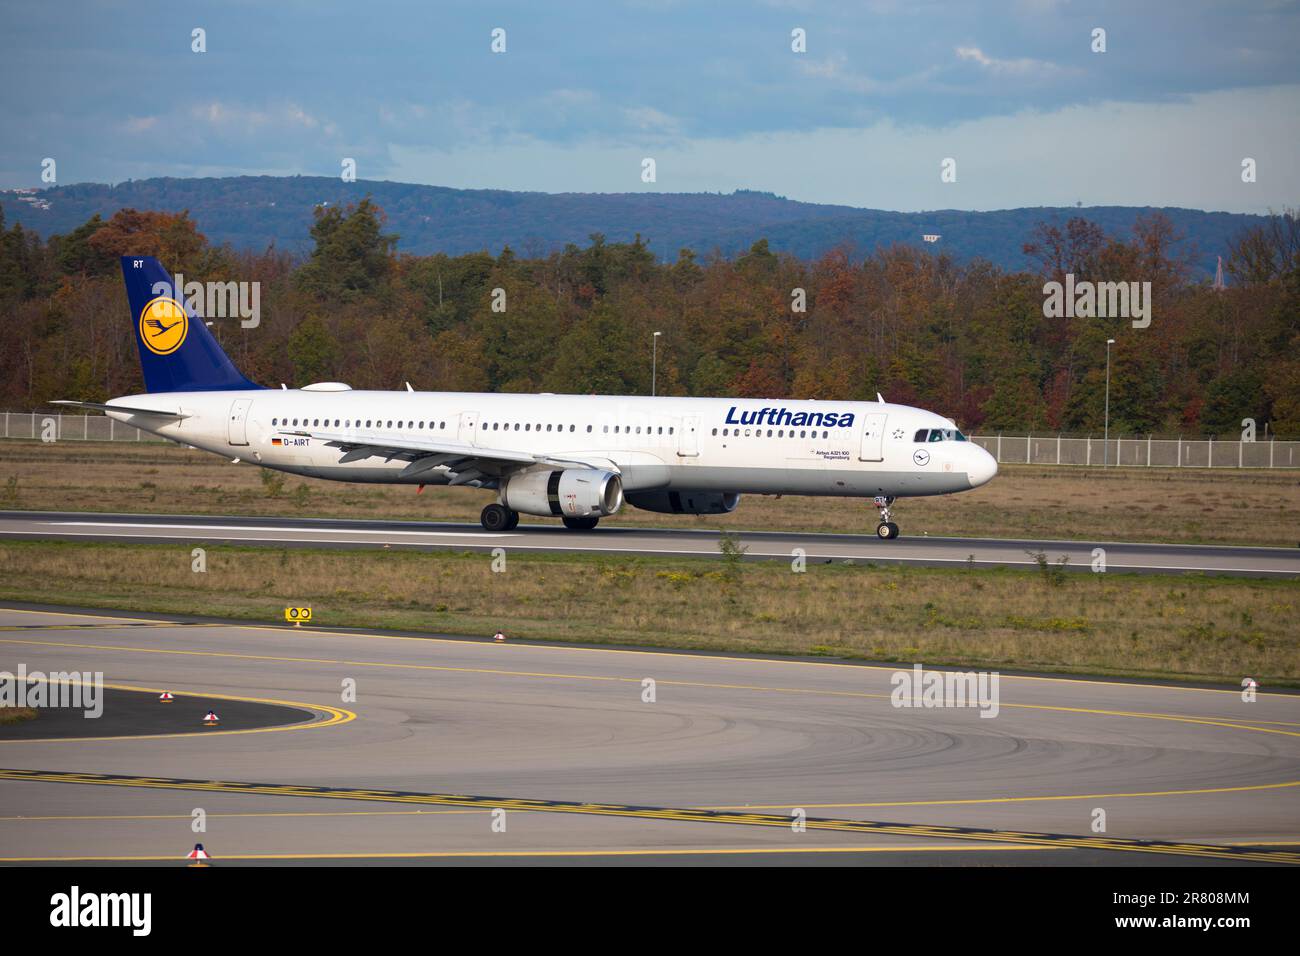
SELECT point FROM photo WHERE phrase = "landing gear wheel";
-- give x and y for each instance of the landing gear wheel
(580, 524)
(513, 522)
(886, 530)
(498, 518)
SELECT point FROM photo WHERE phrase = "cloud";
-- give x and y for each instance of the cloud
(649, 119)
(835, 70)
(1024, 66)
(1109, 153)
(236, 117)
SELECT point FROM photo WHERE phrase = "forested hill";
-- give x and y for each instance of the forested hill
(252, 212)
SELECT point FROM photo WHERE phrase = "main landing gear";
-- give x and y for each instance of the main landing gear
(886, 529)
(499, 518)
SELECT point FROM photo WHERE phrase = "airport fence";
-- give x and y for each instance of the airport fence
(1141, 451)
(58, 427)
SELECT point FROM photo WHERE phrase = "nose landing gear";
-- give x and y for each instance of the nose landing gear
(886, 529)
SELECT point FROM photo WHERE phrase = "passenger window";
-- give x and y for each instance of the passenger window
(588, 429)
(670, 429)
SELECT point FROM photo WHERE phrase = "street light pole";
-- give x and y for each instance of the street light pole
(654, 363)
(1105, 441)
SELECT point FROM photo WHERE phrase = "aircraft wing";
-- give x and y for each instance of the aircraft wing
(469, 464)
(101, 407)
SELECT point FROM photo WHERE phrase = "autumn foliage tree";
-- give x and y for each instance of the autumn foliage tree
(969, 340)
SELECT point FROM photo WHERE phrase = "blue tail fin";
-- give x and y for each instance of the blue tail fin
(177, 352)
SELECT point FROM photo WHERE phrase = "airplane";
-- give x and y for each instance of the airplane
(574, 457)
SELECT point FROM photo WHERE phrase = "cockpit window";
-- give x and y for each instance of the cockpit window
(940, 434)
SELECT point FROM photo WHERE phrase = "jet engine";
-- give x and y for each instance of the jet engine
(573, 492)
(685, 502)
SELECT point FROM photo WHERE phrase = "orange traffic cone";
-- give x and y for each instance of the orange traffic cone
(166, 697)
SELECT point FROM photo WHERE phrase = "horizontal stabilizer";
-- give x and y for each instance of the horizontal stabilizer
(128, 409)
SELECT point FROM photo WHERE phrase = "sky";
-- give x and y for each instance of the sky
(713, 92)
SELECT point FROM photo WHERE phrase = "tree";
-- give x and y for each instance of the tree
(172, 237)
(598, 356)
(313, 351)
(75, 254)
(353, 256)
(1232, 397)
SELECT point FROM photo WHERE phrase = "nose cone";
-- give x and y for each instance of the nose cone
(982, 467)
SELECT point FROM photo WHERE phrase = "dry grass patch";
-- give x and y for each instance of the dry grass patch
(1190, 627)
(16, 715)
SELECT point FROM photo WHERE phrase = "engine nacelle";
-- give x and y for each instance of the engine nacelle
(685, 502)
(573, 492)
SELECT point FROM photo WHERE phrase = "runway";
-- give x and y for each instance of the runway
(923, 551)
(471, 752)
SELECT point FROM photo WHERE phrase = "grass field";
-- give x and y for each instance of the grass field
(16, 715)
(1193, 628)
(1172, 505)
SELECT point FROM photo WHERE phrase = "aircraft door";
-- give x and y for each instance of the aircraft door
(238, 425)
(468, 427)
(873, 437)
(688, 437)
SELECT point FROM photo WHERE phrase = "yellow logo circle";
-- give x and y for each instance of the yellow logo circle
(163, 325)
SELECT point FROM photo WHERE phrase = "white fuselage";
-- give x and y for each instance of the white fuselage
(760, 446)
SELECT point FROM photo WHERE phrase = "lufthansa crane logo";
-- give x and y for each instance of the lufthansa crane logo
(163, 325)
(921, 456)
